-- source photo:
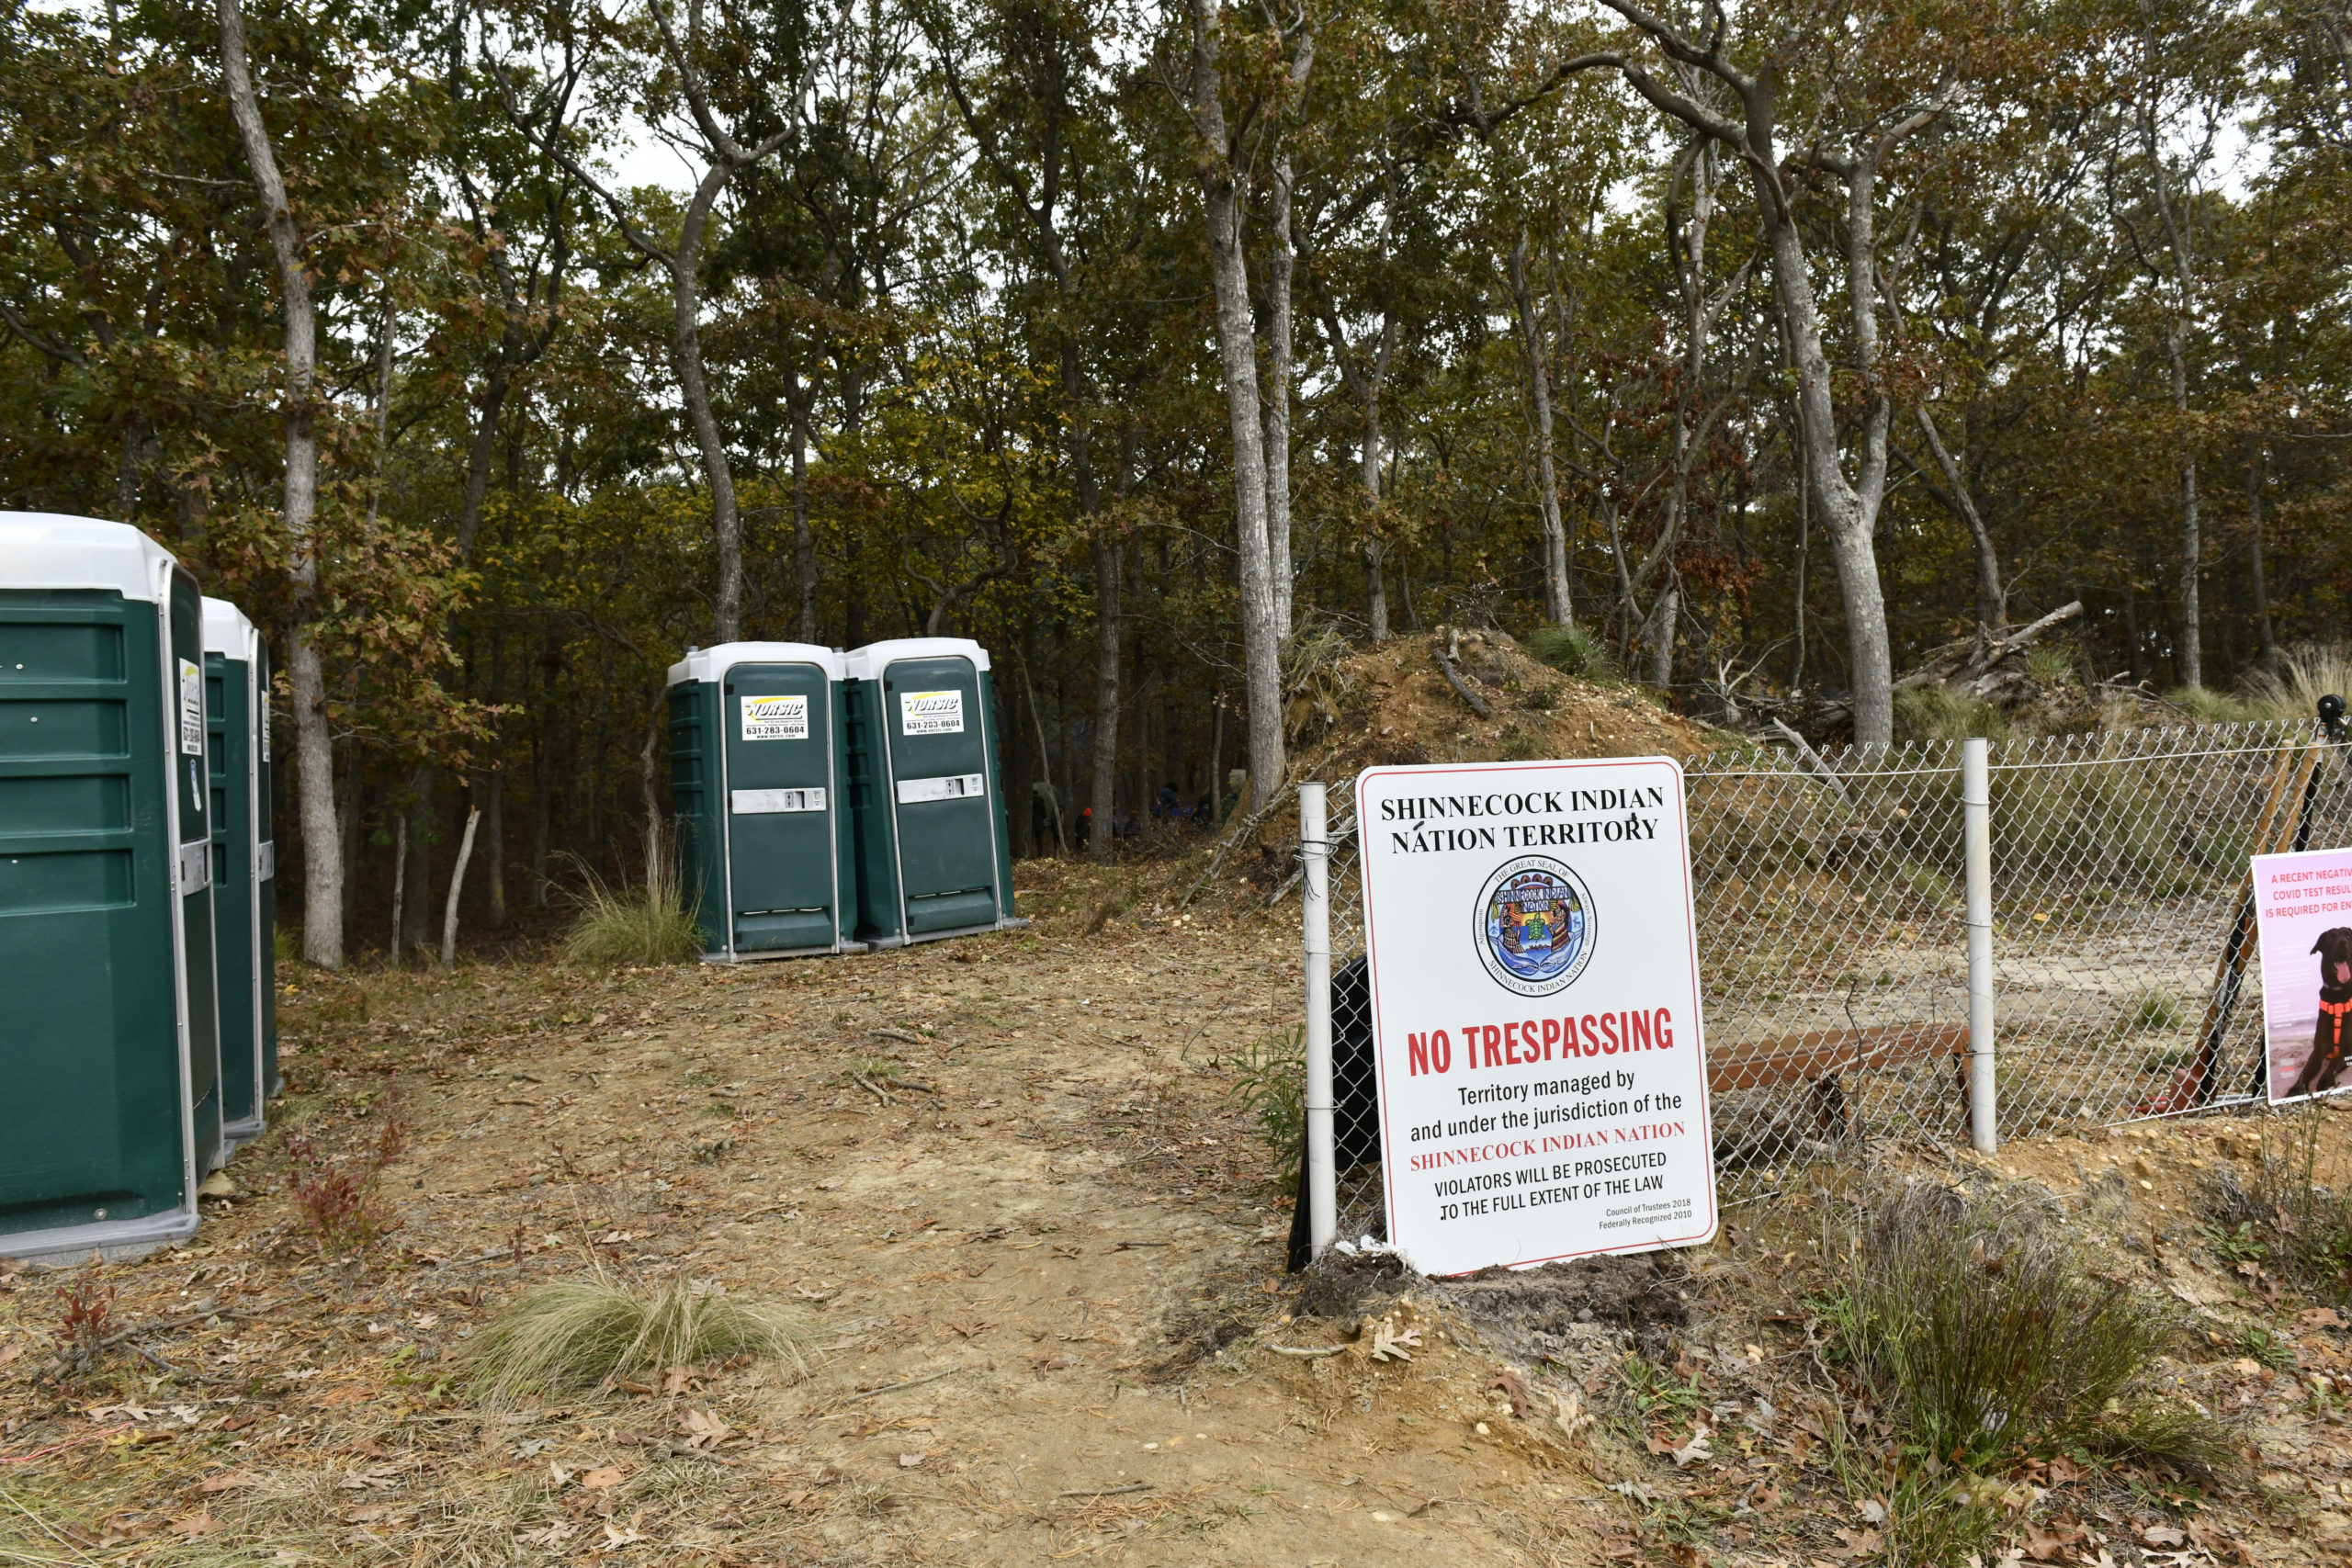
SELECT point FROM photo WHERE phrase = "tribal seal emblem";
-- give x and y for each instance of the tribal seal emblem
(1534, 925)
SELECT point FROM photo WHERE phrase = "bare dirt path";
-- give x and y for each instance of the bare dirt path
(1002, 1181)
(1035, 1259)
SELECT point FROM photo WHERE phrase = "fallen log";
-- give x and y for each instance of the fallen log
(1820, 1053)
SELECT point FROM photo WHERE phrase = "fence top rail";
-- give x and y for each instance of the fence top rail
(1796, 771)
(1918, 757)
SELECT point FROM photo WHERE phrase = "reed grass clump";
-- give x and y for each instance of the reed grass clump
(618, 926)
(2307, 672)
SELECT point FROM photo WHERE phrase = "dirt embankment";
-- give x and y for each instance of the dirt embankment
(1393, 705)
(1400, 704)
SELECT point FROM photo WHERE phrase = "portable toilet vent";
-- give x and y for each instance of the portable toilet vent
(764, 848)
(934, 856)
(236, 713)
(109, 1050)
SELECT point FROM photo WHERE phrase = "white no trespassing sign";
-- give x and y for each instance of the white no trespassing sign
(1534, 976)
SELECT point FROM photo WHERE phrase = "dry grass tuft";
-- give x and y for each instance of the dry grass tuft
(615, 926)
(577, 1334)
(2308, 671)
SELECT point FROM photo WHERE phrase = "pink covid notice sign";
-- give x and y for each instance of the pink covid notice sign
(2302, 905)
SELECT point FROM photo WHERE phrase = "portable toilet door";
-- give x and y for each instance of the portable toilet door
(109, 1054)
(935, 857)
(236, 695)
(763, 836)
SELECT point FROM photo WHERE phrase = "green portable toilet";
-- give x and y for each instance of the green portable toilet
(109, 1050)
(764, 846)
(934, 856)
(236, 719)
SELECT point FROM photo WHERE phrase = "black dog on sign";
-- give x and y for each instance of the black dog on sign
(2332, 1042)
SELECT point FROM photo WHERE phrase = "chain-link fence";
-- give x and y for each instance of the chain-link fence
(1830, 896)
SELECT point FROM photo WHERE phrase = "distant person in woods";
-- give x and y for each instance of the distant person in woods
(1166, 807)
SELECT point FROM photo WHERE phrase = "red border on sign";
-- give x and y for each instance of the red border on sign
(1698, 1007)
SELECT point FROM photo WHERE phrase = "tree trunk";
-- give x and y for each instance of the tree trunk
(657, 871)
(495, 813)
(456, 886)
(1375, 589)
(1106, 553)
(1992, 599)
(2258, 472)
(1020, 765)
(1848, 513)
(1276, 412)
(1661, 638)
(416, 931)
(485, 443)
(313, 742)
(2188, 655)
(804, 541)
(1217, 759)
(400, 887)
(1559, 607)
(726, 520)
(1238, 350)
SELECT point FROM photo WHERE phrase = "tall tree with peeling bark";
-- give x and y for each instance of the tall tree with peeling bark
(1224, 148)
(684, 85)
(313, 743)
(1865, 94)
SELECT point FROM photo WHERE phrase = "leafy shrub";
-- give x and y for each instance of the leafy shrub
(1991, 1343)
(85, 1324)
(1574, 650)
(336, 1200)
(615, 926)
(577, 1334)
(1273, 1088)
(337, 1203)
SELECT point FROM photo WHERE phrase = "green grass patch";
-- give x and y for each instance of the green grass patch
(1272, 1086)
(2288, 1216)
(1574, 650)
(1931, 712)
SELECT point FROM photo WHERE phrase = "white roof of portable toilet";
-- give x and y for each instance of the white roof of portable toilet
(48, 549)
(868, 663)
(226, 631)
(712, 663)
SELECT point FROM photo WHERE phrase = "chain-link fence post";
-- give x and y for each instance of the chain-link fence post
(1315, 907)
(1976, 811)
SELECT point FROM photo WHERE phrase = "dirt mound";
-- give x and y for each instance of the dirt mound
(1397, 704)
(1457, 697)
